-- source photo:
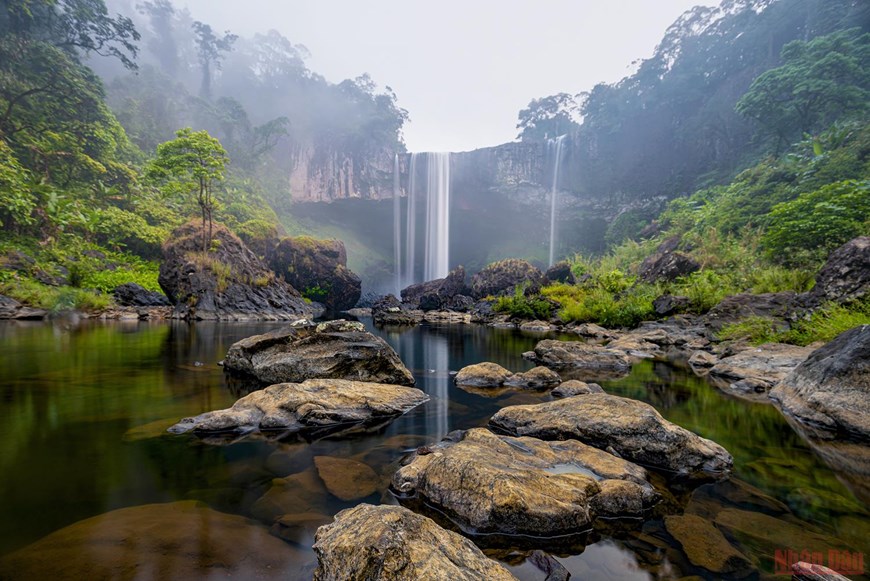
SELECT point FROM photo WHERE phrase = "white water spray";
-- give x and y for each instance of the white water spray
(555, 145)
(437, 216)
(410, 231)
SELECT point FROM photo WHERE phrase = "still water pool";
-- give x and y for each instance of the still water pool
(83, 412)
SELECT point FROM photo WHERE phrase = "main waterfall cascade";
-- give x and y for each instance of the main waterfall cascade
(554, 146)
(436, 228)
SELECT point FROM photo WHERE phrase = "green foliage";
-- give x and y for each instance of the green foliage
(755, 330)
(812, 225)
(120, 228)
(548, 117)
(55, 299)
(192, 163)
(315, 293)
(16, 203)
(522, 307)
(819, 82)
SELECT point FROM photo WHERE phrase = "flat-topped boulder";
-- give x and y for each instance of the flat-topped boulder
(830, 390)
(579, 355)
(630, 428)
(391, 543)
(502, 277)
(305, 350)
(574, 387)
(493, 375)
(497, 484)
(312, 404)
(759, 368)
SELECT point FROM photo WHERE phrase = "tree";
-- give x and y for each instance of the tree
(193, 162)
(548, 117)
(210, 49)
(820, 81)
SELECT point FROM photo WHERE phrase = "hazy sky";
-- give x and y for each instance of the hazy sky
(462, 68)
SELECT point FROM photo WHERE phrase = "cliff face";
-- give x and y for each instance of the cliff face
(324, 174)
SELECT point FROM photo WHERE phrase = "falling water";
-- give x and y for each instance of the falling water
(397, 226)
(556, 146)
(411, 232)
(437, 216)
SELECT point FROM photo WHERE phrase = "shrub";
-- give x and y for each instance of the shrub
(522, 307)
(756, 330)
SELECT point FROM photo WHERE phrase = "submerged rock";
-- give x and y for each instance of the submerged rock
(706, 546)
(225, 282)
(177, 540)
(630, 428)
(830, 390)
(759, 368)
(493, 375)
(347, 479)
(315, 403)
(336, 349)
(391, 543)
(318, 269)
(578, 355)
(524, 486)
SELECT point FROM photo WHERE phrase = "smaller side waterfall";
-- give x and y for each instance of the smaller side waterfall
(410, 223)
(555, 147)
(397, 225)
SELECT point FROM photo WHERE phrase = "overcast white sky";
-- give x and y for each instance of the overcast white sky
(462, 68)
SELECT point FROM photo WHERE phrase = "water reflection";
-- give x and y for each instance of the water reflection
(83, 412)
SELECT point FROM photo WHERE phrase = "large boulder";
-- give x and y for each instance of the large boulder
(630, 428)
(335, 349)
(225, 282)
(579, 355)
(759, 368)
(437, 294)
(561, 272)
(830, 390)
(667, 267)
(314, 404)
(318, 269)
(391, 543)
(176, 540)
(131, 294)
(389, 310)
(523, 486)
(845, 276)
(500, 278)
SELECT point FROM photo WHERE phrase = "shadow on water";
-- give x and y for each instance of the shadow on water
(84, 409)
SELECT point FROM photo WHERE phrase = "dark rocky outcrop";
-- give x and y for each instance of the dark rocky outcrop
(669, 304)
(12, 309)
(560, 272)
(666, 267)
(523, 486)
(845, 276)
(318, 269)
(578, 355)
(391, 543)
(304, 350)
(131, 294)
(312, 404)
(494, 375)
(389, 310)
(630, 428)
(226, 282)
(438, 294)
(500, 278)
(176, 540)
(775, 306)
(830, 390)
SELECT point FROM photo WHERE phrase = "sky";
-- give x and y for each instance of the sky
(462, 68)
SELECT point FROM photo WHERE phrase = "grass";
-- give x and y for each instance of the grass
(522, 307)
(823, 325)
(222, 272)
(54, 299)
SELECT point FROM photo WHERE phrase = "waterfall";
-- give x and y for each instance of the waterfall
(556, 146)
(397, 226)
(437, 262)
(410, 230)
